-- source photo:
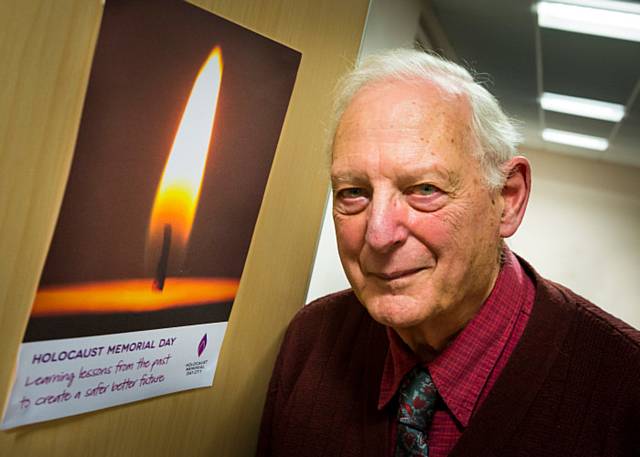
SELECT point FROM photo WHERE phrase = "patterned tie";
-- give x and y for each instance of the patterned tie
(417, 400)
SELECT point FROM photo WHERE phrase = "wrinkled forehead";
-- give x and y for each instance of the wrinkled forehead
(403, 105)
(398, 108)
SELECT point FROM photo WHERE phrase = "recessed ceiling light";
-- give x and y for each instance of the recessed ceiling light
(604, 18)
(584, 107)
(575, 139)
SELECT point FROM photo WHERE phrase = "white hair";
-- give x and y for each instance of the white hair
(496, 133)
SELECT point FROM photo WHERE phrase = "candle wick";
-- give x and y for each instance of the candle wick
(161, 270)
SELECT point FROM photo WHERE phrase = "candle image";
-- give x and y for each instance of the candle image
(170, 225)
(181, 121)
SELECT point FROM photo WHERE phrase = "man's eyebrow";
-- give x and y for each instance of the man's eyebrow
(432, 172)
(344, 178)
(450, 176)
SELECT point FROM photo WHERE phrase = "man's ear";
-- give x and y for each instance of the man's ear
(515, 194)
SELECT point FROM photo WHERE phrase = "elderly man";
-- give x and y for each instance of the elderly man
(447, 344)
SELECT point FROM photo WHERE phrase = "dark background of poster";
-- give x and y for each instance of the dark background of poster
(146, 61)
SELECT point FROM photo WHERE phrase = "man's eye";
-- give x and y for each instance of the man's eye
(426, 197)
(424, 189)
(352, 192)
(351, 200)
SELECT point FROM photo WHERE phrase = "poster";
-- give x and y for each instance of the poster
(180, 123)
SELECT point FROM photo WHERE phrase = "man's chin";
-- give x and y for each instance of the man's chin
(394, 311)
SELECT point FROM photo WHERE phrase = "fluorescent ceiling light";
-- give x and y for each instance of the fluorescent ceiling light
(575, 139)
(585, 107)
(604, 18)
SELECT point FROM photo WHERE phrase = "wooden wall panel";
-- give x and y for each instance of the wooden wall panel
(45, 53)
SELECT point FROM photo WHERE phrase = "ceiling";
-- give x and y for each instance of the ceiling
(501, 40)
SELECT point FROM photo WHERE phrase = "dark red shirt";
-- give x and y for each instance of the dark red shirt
(467, 369)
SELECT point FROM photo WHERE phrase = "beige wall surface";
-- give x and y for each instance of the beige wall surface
(46, 49)
(582, 229)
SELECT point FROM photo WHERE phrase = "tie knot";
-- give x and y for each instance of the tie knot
(417, 399)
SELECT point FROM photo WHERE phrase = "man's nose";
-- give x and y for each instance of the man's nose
(386, 223)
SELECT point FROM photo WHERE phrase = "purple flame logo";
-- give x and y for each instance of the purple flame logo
(202, 344)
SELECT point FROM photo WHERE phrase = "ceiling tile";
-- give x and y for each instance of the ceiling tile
(576, 124)
(589, 66)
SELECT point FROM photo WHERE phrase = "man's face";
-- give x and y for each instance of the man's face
(417, 227)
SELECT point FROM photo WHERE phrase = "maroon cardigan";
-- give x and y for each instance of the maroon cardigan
(570, 388)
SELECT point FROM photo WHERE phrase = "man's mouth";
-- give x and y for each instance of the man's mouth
(396, 274)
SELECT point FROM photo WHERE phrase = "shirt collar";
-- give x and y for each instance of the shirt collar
(462, 369)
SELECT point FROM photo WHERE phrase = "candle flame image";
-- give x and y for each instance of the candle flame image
(155, 225)
(170, 224)
(178, 192)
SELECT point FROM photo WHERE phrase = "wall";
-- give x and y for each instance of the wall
(390, 24)
(582, 229)
(46, 49)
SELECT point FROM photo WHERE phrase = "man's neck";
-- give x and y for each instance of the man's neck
(431, 337)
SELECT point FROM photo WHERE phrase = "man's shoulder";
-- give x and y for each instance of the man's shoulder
(567, 304)
(590, 315)
(598, 348)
